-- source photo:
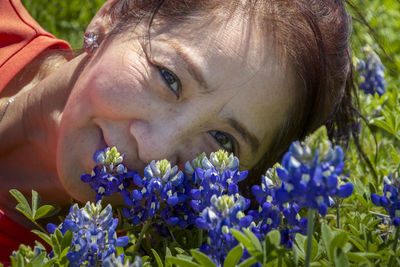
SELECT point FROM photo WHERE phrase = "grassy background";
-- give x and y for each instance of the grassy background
(66, 19)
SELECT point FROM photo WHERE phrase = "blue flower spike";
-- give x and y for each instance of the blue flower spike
(110, 175)
(390, 200)
(94, 236)
(190, 167)
(311, 173)
(215, 202)
(311, 177)
(164, 188)
(119, 261)
(270, 212)
(224, 213)
(372, 73)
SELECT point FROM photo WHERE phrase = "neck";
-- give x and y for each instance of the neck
(28, 134)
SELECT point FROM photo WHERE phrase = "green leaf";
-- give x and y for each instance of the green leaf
(43, 236)
(167, 253)
(35, 203)
(181, 262)
(24, 210)
(362, 200)
(56, 245)
(59, 235)
(300, 242)
(394, 154)
(274, 237)
(327, 238)
(19, 197)
(359, 243)
(38, 261)
(23, 203)
(338, 241)
(63, 257)
(314, 248)
(158, 259)
(50, 263)
(233, 256)
(181, 251)
(202, 258)
(248, 262)
(242, 239)
(20, 260)
(253, 239)
(66, 240)
(340, 258)
(356, 257)
(43, 211)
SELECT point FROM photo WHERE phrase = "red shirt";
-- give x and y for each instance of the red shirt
(12, 234)
(22, 39)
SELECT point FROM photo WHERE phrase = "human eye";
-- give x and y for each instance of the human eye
(224, 140)
(171, 80)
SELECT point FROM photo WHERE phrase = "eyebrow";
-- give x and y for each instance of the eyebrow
(246, 134)
(196, 73)
(193, 68)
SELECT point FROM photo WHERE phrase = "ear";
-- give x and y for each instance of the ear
(102, 22)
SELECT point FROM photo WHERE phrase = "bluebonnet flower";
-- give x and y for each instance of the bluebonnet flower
(217, 176)
(110, 175)
(113, 261)
(215, 197)
(274, 215)
(372, 73)
(162, 187)
(268, 213)
(391, 197)
(224, 213)
(311, 172)
(27, 254)
(94, 237)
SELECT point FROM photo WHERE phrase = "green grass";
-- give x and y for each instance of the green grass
(66, 19)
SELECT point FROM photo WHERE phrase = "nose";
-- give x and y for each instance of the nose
(158, 141)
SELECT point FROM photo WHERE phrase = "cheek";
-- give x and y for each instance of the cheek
(115, 88)
(75, 148)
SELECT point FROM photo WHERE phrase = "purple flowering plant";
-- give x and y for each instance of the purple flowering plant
(201, 217)
(205, 199)
(372, 73)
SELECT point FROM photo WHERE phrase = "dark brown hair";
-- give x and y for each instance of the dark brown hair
(313, 34)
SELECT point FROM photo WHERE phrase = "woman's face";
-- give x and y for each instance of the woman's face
(196, 90)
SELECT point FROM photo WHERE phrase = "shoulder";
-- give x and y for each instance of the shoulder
(22, 40)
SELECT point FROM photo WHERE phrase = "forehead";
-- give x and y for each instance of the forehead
(246, 76)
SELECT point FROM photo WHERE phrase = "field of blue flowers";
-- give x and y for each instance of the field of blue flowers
(321, 205)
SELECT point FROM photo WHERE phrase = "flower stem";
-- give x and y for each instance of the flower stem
(200, 238)
(310, 231)
(139, 240)
(39, 226)
(338, 216)
(396, 239)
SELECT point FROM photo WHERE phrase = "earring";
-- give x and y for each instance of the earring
(90, 42)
